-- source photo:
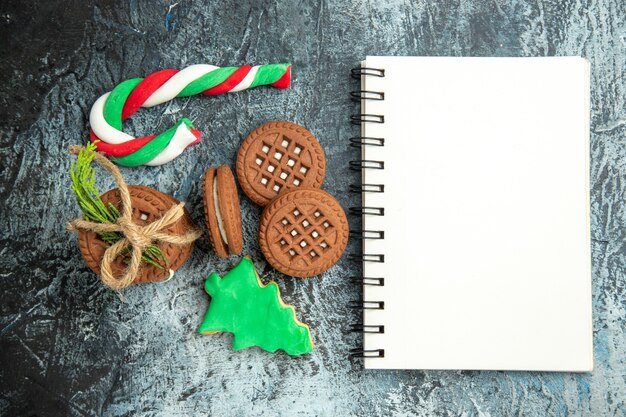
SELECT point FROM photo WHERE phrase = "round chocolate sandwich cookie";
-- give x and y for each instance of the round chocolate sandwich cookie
(148, 205)
(303, 232)
(276, 157)
(222, 212)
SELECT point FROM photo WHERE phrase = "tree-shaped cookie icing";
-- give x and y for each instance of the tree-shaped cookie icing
(253, 312)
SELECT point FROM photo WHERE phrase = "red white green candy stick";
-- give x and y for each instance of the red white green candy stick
(112, 108)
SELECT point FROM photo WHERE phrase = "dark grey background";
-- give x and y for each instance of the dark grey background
(68, 347)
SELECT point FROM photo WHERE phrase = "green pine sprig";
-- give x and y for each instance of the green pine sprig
(94, 209)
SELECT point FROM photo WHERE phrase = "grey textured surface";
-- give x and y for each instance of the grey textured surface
(70, 348)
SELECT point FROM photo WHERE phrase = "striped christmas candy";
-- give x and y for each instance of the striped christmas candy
(124, 100)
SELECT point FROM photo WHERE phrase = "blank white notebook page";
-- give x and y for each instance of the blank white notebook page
(487, 260)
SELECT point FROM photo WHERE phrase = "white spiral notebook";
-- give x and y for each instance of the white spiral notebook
(476, 249)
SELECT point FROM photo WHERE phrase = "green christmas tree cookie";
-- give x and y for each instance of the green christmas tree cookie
(253, 312)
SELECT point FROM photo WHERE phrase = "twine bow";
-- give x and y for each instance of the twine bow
(134, 236)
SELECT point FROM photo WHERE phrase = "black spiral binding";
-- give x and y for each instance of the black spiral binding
(359, 72)
(367, 211)
(359, 141)
(367, 305)
(372, 353)
(367, 234)
(358, 165)
(357, 119)
(367, 95)
(367, 188)
(377, 282)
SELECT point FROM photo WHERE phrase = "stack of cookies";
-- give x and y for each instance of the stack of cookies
(280, 166)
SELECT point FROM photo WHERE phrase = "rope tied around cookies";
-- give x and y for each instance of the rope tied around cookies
(135, 237)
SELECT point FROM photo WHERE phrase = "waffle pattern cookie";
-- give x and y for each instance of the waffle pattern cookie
(277, 157)
(303, 232)
(222, 212)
